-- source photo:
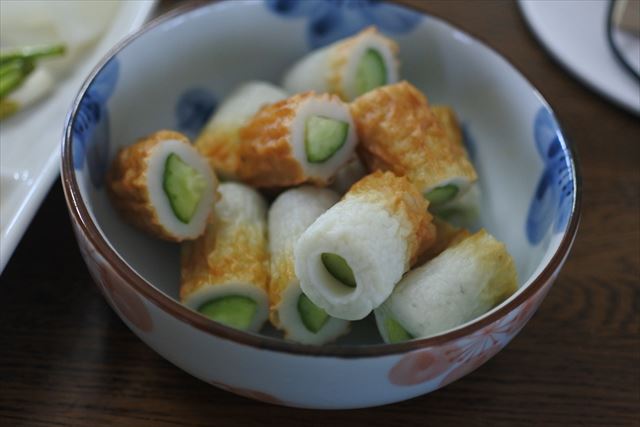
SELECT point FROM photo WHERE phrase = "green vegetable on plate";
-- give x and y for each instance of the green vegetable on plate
(21, 82)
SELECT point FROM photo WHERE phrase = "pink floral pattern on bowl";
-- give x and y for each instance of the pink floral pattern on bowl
(458, 358)
(123, 299)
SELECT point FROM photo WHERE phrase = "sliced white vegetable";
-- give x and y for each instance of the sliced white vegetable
(77, 24)
(39, 84)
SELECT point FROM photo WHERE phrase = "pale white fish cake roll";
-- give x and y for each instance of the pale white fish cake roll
(446, 235)
(292, 311)
(304, 138)
(351, 257)
(219, 139)
(400, 132)
(348, 67)
(460, 284)
(225, 273)
(163, 186)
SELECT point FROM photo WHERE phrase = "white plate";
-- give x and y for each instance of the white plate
(29, 141)
(575, 34)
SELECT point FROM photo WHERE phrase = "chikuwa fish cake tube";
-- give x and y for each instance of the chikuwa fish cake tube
(219, 140)
(162, 185)
(304, 138)
(225, 273)
(349, 260)
(348, 67)
(461, 283)
(449, 122)
(291, 310)
(399, 132)
(465, 208)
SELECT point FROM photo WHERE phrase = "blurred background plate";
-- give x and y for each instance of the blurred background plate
(30, 140)
(575, 34)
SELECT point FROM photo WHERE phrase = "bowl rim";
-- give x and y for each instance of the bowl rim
(80, 214)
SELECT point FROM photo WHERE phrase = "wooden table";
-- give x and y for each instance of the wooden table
(66, 358)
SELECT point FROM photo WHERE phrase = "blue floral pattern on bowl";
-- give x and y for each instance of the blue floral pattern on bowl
(91, 125)
(553, 199)
(332, 20)
(193, 109)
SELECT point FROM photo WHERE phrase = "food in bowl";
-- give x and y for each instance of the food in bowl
(219, 140)
(463, 282)
(163, 186)
(225, 272)
(351, 257)
(305, 138)
(291, 310)
(526, 169)
(322, 262)
(348, 67)
(408, 138)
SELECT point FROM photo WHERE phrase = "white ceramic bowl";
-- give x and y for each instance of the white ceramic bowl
(172, 74)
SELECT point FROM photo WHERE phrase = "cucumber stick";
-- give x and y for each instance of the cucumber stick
(324, 137)
(442, 195)
(13, 74)
(371, 72)
(233, 310)
(312, 316)
(339, 269)
(395, 331)
(184, 187)
(32, 53)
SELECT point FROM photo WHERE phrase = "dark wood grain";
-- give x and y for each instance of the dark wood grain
(66, 359)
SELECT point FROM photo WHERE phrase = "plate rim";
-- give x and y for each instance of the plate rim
(525, 12)
(16, 225)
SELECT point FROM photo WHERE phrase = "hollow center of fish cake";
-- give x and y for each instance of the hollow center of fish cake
(235, 311)
(324, 137)
(184, 187)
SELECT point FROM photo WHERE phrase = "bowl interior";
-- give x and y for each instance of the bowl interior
(174, 75)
